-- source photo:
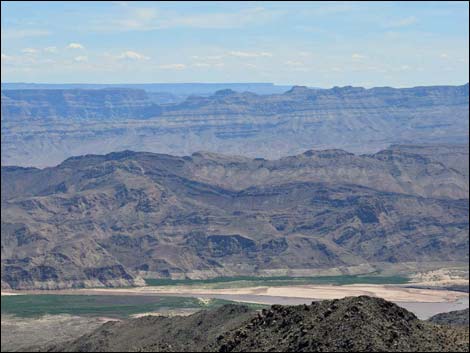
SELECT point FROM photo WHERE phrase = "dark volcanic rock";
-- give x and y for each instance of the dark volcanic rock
(458, 317)
(161, 334)
(361, 324)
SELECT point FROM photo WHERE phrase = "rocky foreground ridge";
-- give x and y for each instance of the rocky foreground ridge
(111, 220)
(360, 324)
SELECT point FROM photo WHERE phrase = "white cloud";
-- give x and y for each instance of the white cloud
(120, 3)
(306, 28)
(172, 66)
(20, 60)
(305, 53)
(207, 57)
(137, 19)
(245, 54)
(50, 49)
(220, 20)
(23, 33)
(29, 51)
(294, 63)
(132, 55)
(297, 66)
(403, 22)
(81, 58)
(75, 46)
(148, 19)
(251, 66)
(336, 69)
(330, 8)
(202, 65)
(207, 61)
(357, 56)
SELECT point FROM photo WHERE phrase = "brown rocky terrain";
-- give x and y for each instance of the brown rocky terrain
(109, 220)
(359, 324)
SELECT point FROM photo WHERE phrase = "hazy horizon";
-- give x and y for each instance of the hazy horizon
(220, 83)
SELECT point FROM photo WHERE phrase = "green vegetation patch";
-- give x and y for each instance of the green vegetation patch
(118, 306)
(248, 281)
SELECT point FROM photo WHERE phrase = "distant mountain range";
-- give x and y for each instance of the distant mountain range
(110, 220)
(42, 127)
(177, 89)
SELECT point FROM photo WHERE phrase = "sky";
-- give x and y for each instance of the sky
(320, 44)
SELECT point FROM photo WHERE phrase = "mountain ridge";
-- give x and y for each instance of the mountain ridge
(111, 220)
(268, 126)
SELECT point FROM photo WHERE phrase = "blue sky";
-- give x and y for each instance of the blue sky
(321, 44)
